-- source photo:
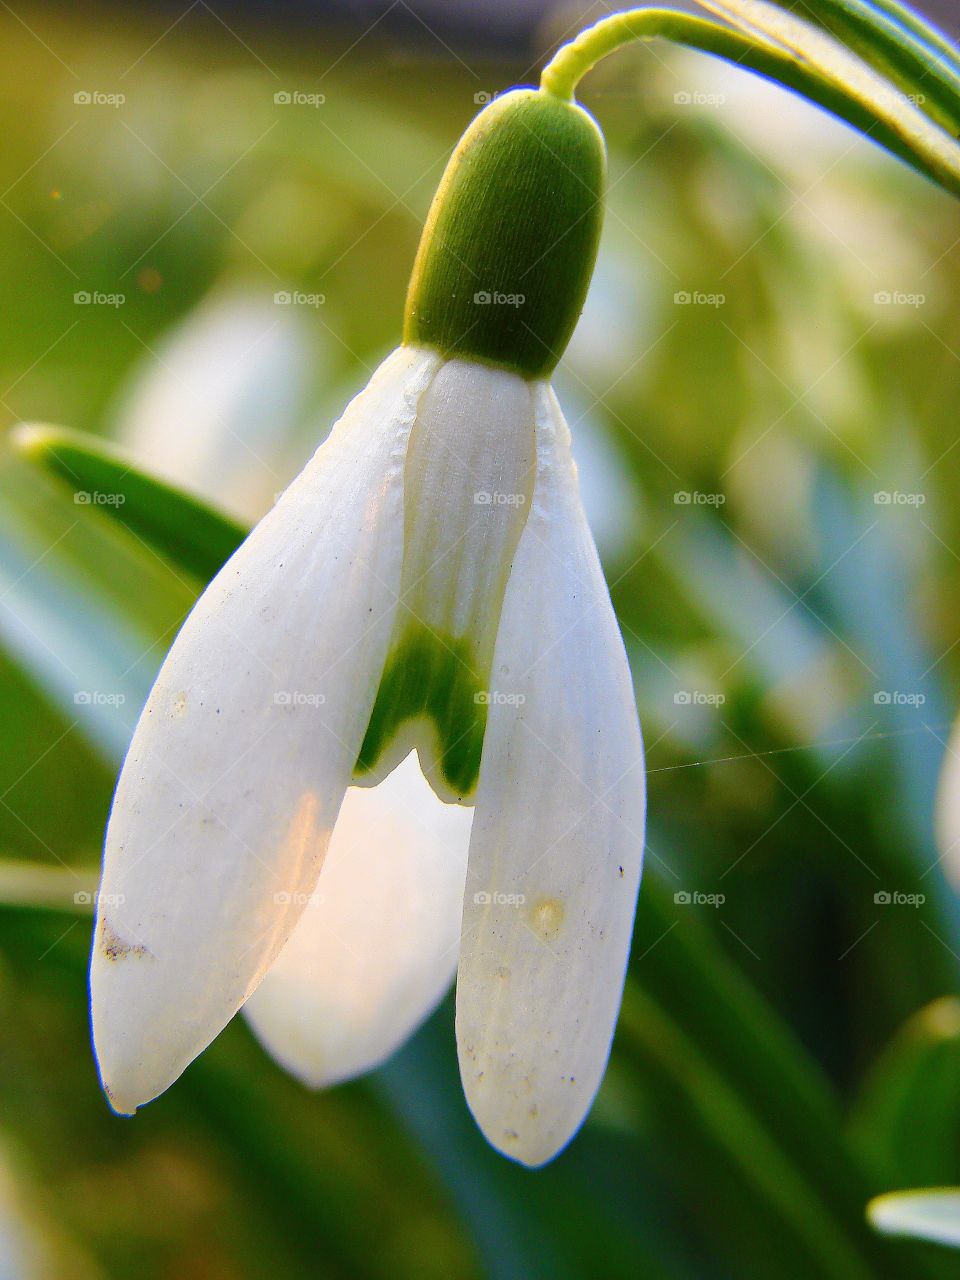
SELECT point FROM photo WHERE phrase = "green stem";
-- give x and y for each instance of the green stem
(572, 62)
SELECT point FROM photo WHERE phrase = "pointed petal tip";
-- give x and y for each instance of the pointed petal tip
(122, 1109)
(124, 1085)
(530, 1141)
(134, 1064)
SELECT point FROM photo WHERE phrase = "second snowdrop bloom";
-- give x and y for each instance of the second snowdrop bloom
(428, 582)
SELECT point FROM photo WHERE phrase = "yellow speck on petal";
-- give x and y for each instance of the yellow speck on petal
(546, 916)
(180, 704)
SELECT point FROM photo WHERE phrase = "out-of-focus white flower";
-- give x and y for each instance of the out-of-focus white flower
(947, 809)
(928, 1214)
(216, 408)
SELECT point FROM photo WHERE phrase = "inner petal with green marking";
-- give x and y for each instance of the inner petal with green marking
(468, 484)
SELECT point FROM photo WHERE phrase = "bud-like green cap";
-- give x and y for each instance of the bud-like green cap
(511, 239)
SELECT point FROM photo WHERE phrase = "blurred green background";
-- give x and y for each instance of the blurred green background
(764, 399)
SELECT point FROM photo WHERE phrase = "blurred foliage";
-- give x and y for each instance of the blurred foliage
(793, 647)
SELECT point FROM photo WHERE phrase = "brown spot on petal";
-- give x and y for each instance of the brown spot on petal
(116, 948)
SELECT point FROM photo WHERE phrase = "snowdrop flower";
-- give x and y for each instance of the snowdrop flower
(428, 583)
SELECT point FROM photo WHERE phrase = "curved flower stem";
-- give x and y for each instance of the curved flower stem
(572, 62)
(831, 76)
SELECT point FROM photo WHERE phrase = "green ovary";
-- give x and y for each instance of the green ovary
(429, 676)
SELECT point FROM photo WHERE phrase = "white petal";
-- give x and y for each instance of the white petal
(242, 755)
(557, 842)
(932, 1214)
(376, 946)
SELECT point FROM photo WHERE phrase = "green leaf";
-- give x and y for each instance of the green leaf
(898, 44)
(909, 1107)
(913, 22)
(923, 1215)
(88, 611)
(180, 526)
(858, 89)
(808, 1228)
(734, 1084)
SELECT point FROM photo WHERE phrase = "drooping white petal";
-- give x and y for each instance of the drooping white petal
(376, 946)
(930, 1214)
(242, 755)
(557, 841)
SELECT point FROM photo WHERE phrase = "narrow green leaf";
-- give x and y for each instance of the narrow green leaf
(901, 48)
(909, 1107)
(850, 87)
(910, 21)
(742, 1087)
(35, 885)
(180, 526)
(658, 1046)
